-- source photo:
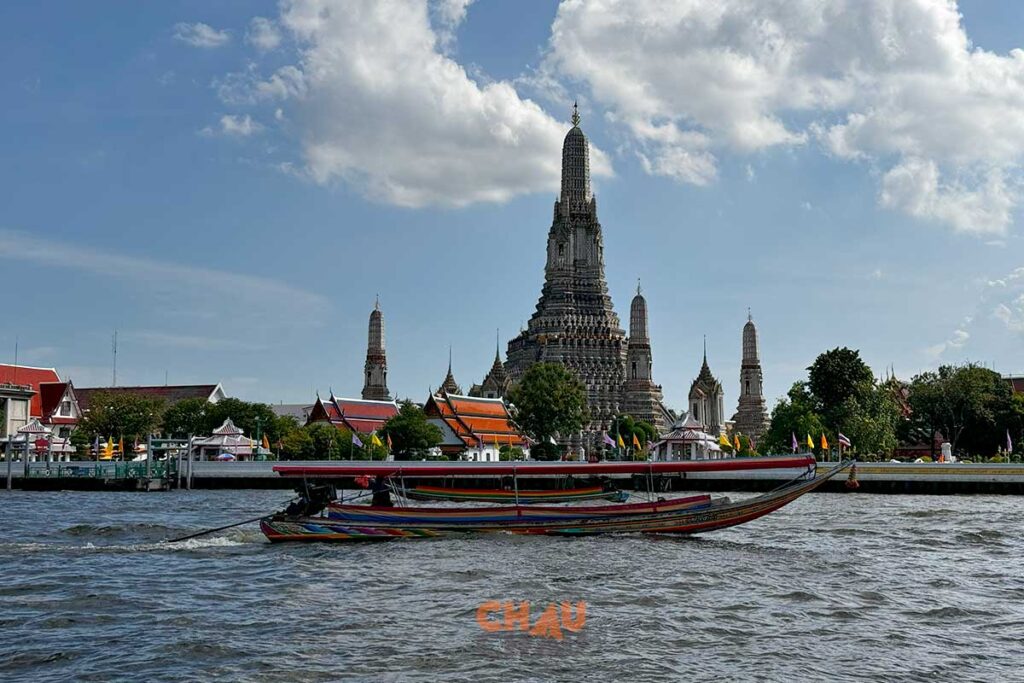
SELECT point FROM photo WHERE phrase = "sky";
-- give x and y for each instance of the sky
(230, 185)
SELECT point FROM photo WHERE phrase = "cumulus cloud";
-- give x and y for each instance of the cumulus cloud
(1001, 301)
(378, 104)
(200, 35)
(263, 34)
(895, 83)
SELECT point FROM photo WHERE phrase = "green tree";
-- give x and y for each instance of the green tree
(412, 436)
(834, 378)
(120, 415)
(796, 414)
(507, 453)
(187, 417)
(970, 405)
(550, 401)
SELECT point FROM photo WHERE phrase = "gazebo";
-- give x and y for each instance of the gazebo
(225, 439)
(687, 440)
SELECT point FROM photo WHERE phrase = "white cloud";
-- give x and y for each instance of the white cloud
(377, 104)
(201, 35)
(895, 83)
(956, 341)
(240, 126)
(263, 34)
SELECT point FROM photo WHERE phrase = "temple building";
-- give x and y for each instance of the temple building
(707, 400)
(375, 383)
(352, 414)
(574, 323)
(641, 397)
(496, 383)
(751, 416)
(473, 428)
(449, 385)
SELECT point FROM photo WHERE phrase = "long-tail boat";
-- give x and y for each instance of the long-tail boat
(521, 497)
(693, 514)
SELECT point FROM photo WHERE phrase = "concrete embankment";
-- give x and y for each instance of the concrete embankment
(924, 478)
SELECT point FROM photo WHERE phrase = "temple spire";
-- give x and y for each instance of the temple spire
(575, 114)
(375, 371)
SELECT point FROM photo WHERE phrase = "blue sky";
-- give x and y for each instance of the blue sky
(230, 184)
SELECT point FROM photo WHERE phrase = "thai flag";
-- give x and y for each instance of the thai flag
(844, 440)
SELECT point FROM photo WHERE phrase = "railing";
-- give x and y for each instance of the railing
(102, 470)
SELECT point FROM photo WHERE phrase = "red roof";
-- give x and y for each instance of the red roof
(29, 376)
(1017, 384)
(475, 421)
(168, 394)
(353, 414)
(50, 394)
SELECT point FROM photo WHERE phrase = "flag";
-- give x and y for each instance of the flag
(108, 449)
(266, 443)
(636, 442)
(608, 440)
(824, 443)
(375, 440)
(810, 442)
(622, 444)
(844, 440)
(96, 445)
(736, 439)
(120, 446)
(1009, 442)
(723, 440)
(796, 446)
(751, 440)
(389, 442)
(356, 441)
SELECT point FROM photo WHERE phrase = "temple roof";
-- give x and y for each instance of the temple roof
(168, 394)
(475, 421)
(354, 414)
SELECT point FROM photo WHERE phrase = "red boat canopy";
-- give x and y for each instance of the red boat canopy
(533, 468)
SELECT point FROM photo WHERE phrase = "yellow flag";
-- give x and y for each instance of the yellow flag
(375, 440)
(108, 449)
(824, 443)
(622, 444)
(810, 442)
(636, 442)
(737, 442)
(723, 440)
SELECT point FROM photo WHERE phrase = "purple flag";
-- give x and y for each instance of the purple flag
(796, 446)
(608, 439)
(1009, 442)
(356, 441)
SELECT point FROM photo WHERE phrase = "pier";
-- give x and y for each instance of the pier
(897, 478)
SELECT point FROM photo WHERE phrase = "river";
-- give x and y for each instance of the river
(834, 587)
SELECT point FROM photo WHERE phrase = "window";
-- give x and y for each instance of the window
(748, 386)
(634, 369)
(65, 409)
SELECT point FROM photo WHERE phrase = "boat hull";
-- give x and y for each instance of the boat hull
(700, 519)
(514, 497)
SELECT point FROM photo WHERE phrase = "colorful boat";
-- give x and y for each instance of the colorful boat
(522, 497)
(695, 514)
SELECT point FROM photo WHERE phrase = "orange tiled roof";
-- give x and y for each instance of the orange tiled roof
(475, 421)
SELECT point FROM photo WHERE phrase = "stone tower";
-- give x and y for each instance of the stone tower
(707, 400)
(375, 383)
(574, 323)
(751, 416)
(641, 397)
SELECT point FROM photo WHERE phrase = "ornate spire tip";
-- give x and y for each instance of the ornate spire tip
(575, 114)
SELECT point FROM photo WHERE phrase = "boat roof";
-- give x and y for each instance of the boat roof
(559, 468)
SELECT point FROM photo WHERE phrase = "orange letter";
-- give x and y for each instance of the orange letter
(574, 625)
(519, 614)
(547, 625)
(481, 616)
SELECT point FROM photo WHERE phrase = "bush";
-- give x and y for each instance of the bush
(925, 458)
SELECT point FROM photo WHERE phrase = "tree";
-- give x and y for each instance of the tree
(835, 377)
(186, 417)
(412, 436)
(970, 405)
(550, 402)
(794, 415)
(507, 453)
(120, 415)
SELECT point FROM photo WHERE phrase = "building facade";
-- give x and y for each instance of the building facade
(641, 397)
(707, 400)
(751, 416)
(575, 323)
(375, 371)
